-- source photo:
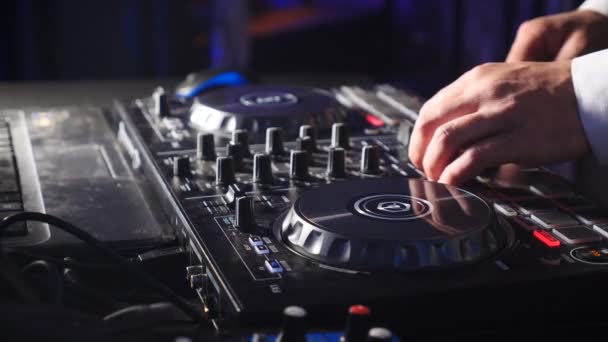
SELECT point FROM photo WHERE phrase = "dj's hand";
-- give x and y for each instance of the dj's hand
(495, 114)
(560, 37)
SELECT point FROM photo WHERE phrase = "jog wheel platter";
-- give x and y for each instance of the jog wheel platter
(256, 108)
(401, 224)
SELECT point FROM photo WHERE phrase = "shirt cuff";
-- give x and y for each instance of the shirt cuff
(599, 6)
(590, 80)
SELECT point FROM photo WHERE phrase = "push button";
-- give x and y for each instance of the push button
(602, 229)
(533, 205)
(255, 240)
(261, 249)
(576, 235)
(591, 216)
(546, 238)
(553, 219)
(273, 266)
(505, 209)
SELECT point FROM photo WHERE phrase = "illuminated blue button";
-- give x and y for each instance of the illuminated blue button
(261, 249)
(255, 240)
(273, 266)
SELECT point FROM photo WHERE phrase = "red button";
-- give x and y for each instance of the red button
(546, 238)
(360, 310)
(374, 120)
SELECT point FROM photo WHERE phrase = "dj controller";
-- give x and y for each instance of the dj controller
(295, 204)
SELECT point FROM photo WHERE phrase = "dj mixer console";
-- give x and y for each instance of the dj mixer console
(288, 195)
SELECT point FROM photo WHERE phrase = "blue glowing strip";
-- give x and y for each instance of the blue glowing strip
(231, 78)
(311, 337)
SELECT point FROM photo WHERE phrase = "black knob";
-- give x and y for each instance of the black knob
(305, 144)
(240, 137)
(370, 160)
(181, 166)
(336, 162)
(298, 165)
(262, 169)
(339, 136)
(294, 325)
(357, 324)
(161, 103)
(245, 221)
(379, 335)
(224, 172)
(274, 141)
(205, 146)
(308, 131)
(236, 153)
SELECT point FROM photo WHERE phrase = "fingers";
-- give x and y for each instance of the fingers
(452, 137)
(529, 44)
(573, 47)
(490, 152)
(447, 104)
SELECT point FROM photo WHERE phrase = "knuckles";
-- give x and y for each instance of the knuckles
(532, 28)
(444, 135)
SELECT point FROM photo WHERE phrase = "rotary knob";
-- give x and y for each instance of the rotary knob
(236, 153)
(357, 324)
(181, 166)
(245, 221)
(336, 163)
(224, 172)
(205, 146)
(294, 325)
(340, 136)
(240, 137)
(378, 334)
(161, 103)
(305, 144)
(370, 160)
(262, 169)
(274, 142)
(308, 131)
(298, 165)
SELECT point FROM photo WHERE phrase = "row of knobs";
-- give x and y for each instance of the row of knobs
(299, 159)
(357, 327)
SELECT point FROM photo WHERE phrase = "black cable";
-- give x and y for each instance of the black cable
(173, 297)
(65, 263)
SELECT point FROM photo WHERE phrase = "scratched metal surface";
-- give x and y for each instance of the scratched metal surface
(85, 180)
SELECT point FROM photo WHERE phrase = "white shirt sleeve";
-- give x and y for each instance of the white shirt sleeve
(590, 80)
(599, 6)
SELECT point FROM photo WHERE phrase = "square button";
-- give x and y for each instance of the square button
(553, 219)
(261, 249)
(591, 216)
(576, 235)
(505, 209)
(574, 202)
(602, 229)
(532, 205)
(273, 266)
(255, 240)
(546, 238)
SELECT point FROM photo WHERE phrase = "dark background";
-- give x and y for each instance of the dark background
(428, 42)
